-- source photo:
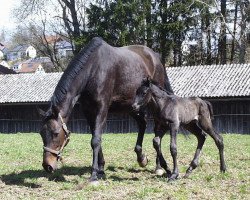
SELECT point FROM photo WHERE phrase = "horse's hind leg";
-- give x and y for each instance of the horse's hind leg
(141, 121)
(193, 128)
(206, 125)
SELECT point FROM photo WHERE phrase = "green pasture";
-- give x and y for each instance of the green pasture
(22, 176)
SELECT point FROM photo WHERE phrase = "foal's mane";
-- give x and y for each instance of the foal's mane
(160, 87)
(73, 69)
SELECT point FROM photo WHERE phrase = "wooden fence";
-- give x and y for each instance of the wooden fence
(230, 117)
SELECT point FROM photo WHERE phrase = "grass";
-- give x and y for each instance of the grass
(22, 176)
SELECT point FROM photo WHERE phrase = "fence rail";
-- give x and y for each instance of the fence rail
(226, 123)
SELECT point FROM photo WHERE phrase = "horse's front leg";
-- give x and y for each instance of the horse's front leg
(98, 160)
(101, 163)
(142, 124)
(173, 149)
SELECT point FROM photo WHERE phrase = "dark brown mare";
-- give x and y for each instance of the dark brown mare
(101, 78)
(194, 114)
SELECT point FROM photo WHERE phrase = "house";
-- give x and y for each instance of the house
(29, 66)
(6, 70)
(1, 54)
(4, 63)
(21, 52)
(46, 63)
(63, 48)
(3, 51)
(227, 87)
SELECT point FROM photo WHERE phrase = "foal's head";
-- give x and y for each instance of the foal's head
(55, 136)
(143, 95)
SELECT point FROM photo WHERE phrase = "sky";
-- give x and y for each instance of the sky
(6, 19)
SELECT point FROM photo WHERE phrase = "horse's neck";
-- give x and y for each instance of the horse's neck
(159, 97)
(65, 108)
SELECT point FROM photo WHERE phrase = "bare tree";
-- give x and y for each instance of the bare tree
(243, 36)
(223, 33)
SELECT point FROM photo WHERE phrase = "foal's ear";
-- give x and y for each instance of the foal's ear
(41, 112)
(148, 81)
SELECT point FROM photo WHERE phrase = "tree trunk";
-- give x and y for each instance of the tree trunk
(242, 42)
(208, 28)
(149, 35)
(234, 33)
(223, 39)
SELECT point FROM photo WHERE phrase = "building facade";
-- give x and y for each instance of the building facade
(227, 87)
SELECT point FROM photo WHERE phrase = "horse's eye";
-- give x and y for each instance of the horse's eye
(55, 134)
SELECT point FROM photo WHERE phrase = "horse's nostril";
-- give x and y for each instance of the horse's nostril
(50, 169)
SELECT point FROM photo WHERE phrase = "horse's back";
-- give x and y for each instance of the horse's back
(119, 71)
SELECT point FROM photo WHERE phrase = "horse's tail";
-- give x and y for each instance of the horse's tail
(210, 108)
(167, 85)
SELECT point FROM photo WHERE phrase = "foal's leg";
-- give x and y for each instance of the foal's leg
(206, 125)
(173, 149)
(193, 128)
(160, 161)
(141, 121)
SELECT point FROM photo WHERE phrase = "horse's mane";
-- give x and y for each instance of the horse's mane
(73, 69)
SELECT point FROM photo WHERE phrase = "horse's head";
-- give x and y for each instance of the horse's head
(143, 95)
(55, 137)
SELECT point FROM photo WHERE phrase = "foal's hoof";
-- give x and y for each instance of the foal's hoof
(173, 177)
(144, 162)
(94, 183)
(186, 175)
(159, 172)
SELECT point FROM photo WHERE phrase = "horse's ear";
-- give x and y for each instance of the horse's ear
(55, 111)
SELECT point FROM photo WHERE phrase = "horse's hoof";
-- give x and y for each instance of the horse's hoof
(144, 162)
(223, 170)
(171, 180)
(159, 172)
(94, 183)
(101, 175)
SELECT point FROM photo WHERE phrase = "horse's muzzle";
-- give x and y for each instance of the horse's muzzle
(49, 162)
(49, 168)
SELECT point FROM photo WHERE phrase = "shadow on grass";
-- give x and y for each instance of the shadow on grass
(130, 170)
(20, 178)
(58, 176)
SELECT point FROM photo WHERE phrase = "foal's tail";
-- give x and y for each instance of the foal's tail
(210, 108)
